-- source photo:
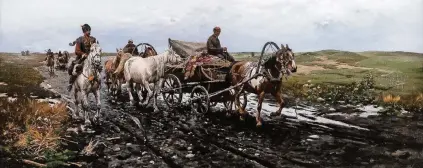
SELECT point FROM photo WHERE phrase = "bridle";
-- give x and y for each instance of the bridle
(284, 61)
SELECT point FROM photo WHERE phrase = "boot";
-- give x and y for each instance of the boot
(71, 81)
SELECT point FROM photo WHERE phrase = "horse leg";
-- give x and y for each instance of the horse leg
(129, 88)
(118, 86)
(281, 102)
(138, 88)
(97, 97)
(150, 92)
(258, 114)
(241, 110)
(107, 81)
(85, 106)
(157, 87)
(77, 112)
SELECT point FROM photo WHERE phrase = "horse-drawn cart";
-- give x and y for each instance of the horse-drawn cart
(203, 76)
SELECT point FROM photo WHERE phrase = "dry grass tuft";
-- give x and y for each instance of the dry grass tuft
(31, 126)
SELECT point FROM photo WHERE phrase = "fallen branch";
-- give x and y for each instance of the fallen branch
(114, 138)
(33, 163)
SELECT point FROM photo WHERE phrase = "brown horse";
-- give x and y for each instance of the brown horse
(109, 69)
(66, 55)
(118, 64)
(148, 52)
(111, 66)
(282, 62)
(50, 61)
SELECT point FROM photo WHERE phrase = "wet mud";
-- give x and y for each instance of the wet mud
(130, 136)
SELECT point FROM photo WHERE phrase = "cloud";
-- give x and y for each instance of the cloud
(305, 25)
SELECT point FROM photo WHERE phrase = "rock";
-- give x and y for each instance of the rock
(189, 148)
(256, 154)
(320, 99)
(135, 149)
(143, 153)
(125, 154)
(190, 155)
(116, 149)
(115, 164)
(152, 162)
(401, 154)
(314, 136)
(174, 157)
(75, 130)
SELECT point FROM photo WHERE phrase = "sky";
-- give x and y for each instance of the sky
(305, 25)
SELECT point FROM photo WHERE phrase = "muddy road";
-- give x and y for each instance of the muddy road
(349, 136)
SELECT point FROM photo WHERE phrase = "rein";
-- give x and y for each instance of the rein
(94, 70)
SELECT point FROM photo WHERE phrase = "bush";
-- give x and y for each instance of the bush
(362, 92)
(31, 127)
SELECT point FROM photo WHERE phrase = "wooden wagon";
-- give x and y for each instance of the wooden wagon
(202, 76)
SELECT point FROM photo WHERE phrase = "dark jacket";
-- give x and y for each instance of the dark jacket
(130, 47)
(213, 45)
(83, 45)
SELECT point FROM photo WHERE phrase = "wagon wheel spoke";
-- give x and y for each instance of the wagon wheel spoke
(200, 100)
(172, 93)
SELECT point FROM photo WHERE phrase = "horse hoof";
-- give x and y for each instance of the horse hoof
(274, 114)
(228, 115)
(241, 118)
(259, 124)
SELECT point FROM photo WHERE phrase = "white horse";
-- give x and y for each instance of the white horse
(89, 82)
(144, 71)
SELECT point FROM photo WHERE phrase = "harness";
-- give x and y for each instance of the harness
(94, 76)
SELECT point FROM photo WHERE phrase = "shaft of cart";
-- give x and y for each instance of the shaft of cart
(229, 88)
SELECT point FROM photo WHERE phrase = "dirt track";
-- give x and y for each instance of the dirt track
(169, 139)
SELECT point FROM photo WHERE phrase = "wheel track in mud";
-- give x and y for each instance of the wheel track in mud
(210, 136)
(141, 136)
(202, 135)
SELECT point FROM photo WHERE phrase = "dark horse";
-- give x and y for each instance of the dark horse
(280, 63)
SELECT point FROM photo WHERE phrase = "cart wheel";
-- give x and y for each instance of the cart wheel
(172, 91)
(243, 101)
(200, 105)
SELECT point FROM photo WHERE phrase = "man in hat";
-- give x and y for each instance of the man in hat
(131, 47)
(214, 47)
(49, 53)
(82, 49)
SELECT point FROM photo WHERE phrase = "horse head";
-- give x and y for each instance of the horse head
(286, 58)
(148, 51)
(94, 56)
(174, 57)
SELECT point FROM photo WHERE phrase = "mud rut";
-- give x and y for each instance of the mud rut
(132, 136)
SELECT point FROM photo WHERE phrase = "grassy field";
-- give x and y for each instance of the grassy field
(395, 72)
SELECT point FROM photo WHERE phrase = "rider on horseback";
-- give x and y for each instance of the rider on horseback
(59, 54)
(49, 53)
(82, 49)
